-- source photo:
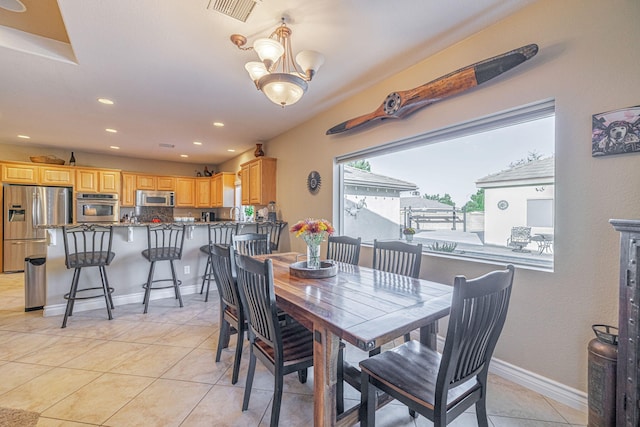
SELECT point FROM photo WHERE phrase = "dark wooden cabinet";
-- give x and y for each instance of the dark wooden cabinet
(628, 374)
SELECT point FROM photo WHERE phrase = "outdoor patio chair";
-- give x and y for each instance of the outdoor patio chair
(520, 238)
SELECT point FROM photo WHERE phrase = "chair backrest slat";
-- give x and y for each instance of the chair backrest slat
(223, 262)
(87, 244)
(397, 257)
(274, 229)
(478, 312)
(255, 283)
(222, 233)
(166, 238)
(344, 249)
(252, 244)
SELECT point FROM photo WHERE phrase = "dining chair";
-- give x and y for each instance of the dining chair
(252, 244)
(164, 243)
(88, 245)
(443, 386)
(344, 249)
(274, 229)
(283, 347)
(397, 257)
(232, 318)
(219, 233)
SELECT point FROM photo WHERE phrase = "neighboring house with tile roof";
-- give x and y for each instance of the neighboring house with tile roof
(372, 204)
(520, 196)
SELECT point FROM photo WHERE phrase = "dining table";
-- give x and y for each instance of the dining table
(358, 305)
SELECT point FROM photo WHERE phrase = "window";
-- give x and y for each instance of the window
(462, 189)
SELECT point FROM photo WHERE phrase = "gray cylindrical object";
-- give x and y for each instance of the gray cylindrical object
(35, 282)
(603, 358)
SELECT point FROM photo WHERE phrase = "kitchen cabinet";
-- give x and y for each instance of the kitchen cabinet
(185, 192)
(145, 182)
(223, 190)
(165, 183)
(203, 192)
(51, 175)
(97, 181)
(128, 193)
(258, 181)
(20, 174)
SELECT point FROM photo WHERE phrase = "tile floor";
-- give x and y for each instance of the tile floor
(158, 369)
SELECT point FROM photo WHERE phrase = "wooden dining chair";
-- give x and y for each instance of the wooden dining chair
(283, 347)
(219, 233)
(397, 257)
(232, 318)
(443, 386)
(274, 229)
(252, 244)
(344, 249)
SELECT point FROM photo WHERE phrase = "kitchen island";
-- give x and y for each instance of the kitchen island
(129, 269)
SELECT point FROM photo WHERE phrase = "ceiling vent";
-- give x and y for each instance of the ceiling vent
(238, 9)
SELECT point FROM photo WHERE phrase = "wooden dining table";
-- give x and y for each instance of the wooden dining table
(361, 306)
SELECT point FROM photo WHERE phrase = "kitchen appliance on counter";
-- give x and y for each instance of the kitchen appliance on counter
(25, 208)
(97, 208)
(208, 216)
(155, 198)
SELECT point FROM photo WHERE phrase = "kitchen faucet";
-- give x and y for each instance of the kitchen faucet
(234, 213)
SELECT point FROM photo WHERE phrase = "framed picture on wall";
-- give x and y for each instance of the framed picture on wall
(616, 132)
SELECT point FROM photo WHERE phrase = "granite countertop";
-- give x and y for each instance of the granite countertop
(144, 224)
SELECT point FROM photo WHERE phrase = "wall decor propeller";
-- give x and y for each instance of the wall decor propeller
(400, 104)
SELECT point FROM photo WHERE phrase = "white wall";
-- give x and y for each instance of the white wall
(588, 62)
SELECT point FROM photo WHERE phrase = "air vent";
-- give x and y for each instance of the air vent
(166, 145)
(238, 9)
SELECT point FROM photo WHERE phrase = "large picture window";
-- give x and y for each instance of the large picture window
(480, 190)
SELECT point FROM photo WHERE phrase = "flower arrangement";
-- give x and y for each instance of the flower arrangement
(408, 230)
(313, 231)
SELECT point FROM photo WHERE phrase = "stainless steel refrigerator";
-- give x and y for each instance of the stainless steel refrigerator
(26, 207)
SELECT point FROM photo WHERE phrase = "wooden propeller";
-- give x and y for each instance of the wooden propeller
(400, 104)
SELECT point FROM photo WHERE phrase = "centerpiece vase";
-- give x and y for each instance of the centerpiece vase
(409, 237)
(313, 251)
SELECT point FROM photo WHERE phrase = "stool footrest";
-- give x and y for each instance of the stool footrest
(179, 282)
(68, 297)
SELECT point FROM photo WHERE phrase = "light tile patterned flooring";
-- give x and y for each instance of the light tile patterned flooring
(158, 369)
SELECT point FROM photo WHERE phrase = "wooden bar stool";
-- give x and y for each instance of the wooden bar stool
(88, 245)
(165, 242)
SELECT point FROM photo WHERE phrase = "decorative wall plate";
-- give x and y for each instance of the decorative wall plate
(313, 182)
(503, 204)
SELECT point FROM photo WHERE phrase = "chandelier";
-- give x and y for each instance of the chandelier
(278, 76)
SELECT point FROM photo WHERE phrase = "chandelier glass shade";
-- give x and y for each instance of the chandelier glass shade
(278, 76)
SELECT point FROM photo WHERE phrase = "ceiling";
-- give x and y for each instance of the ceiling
(171, 70)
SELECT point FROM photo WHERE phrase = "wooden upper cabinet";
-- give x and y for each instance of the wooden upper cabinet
(51, 175)
(203, 192)
(165, 183)
(128, 193)
(145, 182)
(97, 181)
(258, 181)
(223, 190)
(20, 174)
(185, 192)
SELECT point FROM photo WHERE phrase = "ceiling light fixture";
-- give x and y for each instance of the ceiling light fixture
(184, 155)
(218, 124)
(282, 79)
(13, 5)
(111, 130)
(114, 147)
(197, 143)
(105, 101)
(24, 136)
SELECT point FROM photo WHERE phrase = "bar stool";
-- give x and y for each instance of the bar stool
(219, 234)
(165, 242)
(87, 245)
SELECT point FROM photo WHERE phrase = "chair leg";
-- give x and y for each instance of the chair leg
(105, 287)
(238, 356)
(206, 271)
(72, 294)
(340, 383)
(277, 397)
(249, 383)
(210, 261)
(106, 280)
(302, 376)
(175, 283)
(75, 290)
(367, 403)
(224, 332)
(147, 291)
(481, 412)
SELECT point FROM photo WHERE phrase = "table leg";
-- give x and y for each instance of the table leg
(429, 335)
(325, 363)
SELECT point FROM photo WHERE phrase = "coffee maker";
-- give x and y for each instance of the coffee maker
(208, 216)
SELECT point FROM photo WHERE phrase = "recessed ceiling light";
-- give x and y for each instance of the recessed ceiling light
(13, 5)
(218, 124)
(105, 101)
(197, 143)
(231, 150)
(111, 130)
(114, 147)
(184, 155)
(24, 136)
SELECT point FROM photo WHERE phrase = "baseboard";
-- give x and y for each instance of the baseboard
(92, 304)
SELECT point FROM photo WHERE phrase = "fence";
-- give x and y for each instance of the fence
(415, 217)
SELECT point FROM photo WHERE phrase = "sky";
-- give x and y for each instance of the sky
(453, 166)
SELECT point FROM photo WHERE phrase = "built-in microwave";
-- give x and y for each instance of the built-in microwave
(100, 208)
(155, 198)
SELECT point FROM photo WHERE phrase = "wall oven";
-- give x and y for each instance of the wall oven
(100, 208)
(155, 198)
